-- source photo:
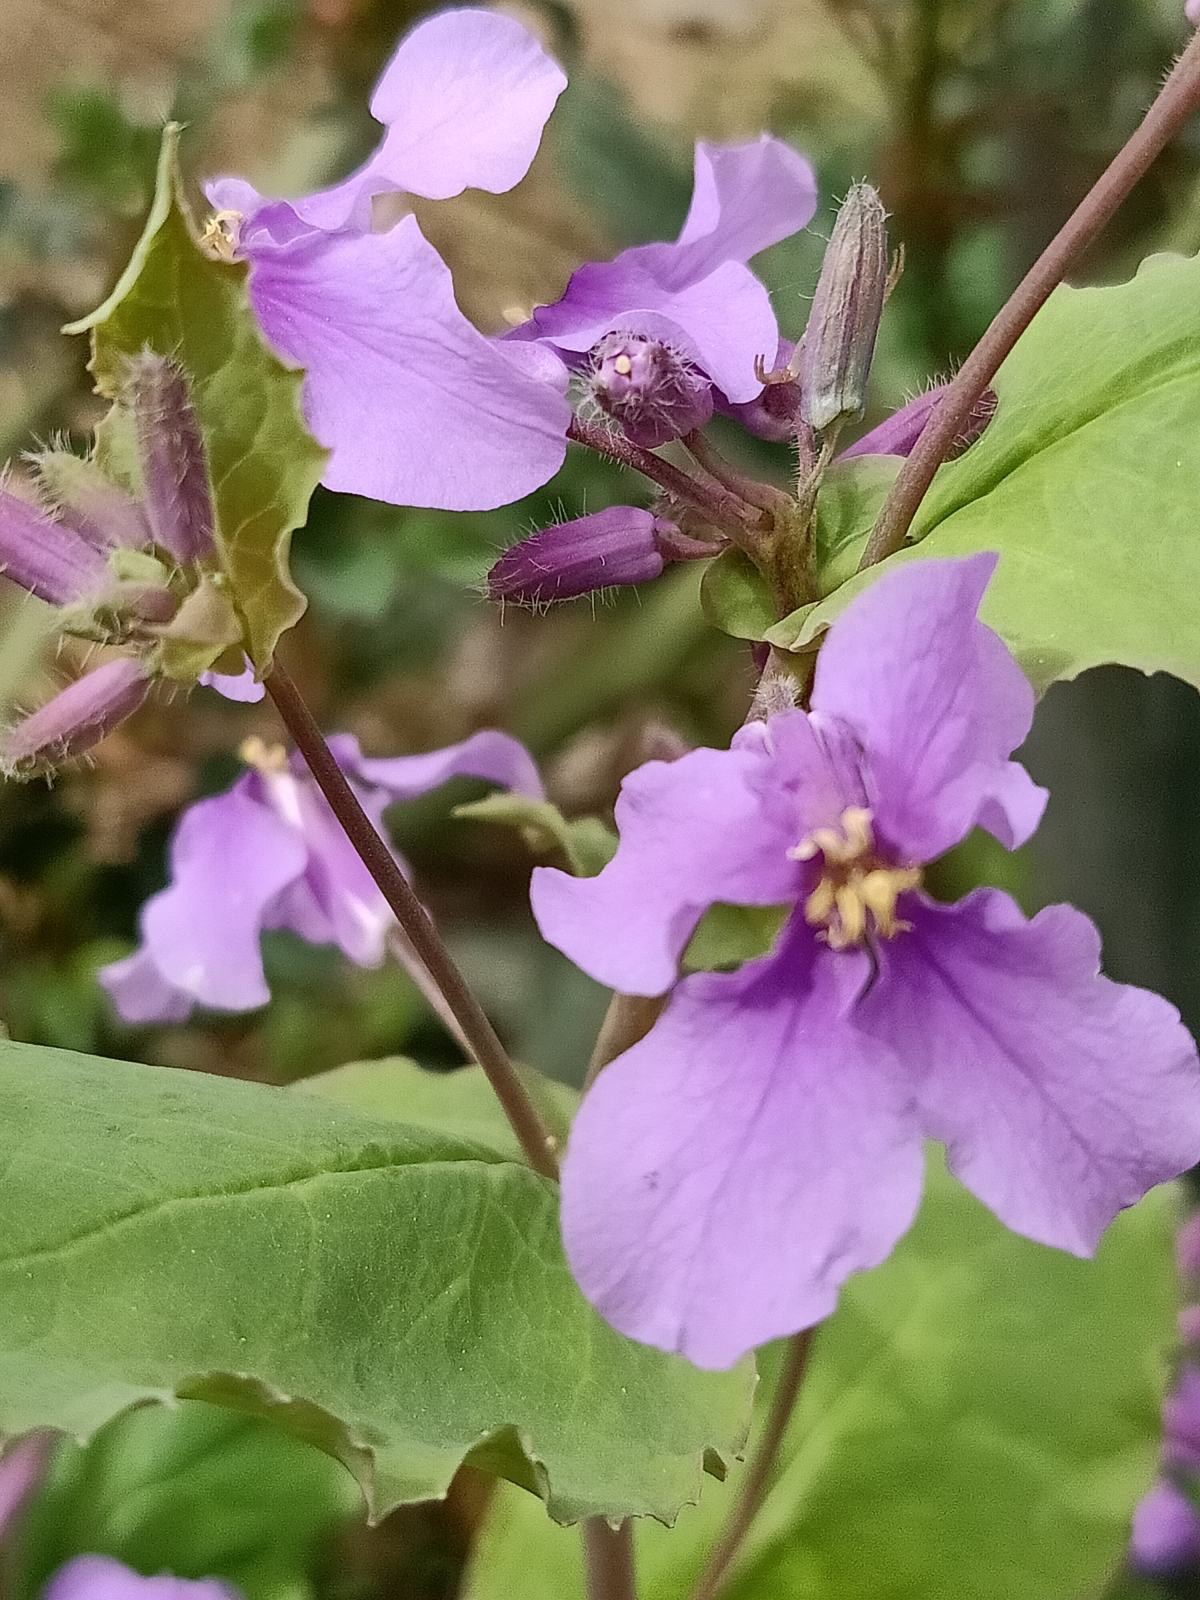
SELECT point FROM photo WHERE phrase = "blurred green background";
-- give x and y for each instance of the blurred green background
(982, 121)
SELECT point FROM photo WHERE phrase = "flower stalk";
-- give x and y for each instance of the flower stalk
(1175, 103)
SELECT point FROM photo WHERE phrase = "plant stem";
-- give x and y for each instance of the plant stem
(753, 1488)
(727, 511)
(608, 1560)
(629, 1018)
(763, 495)
(535, 1139)
(1178, 99)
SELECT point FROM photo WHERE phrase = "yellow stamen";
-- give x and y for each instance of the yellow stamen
(257, 753)
(221, 234)
(857, 893)
(623, 365)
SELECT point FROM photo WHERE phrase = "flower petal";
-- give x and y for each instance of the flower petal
(693, 832)
(417, 407)
(493, 756)
(1166, 1532)
(698, 293)
(242, 687)
(103, 1578)
(727, 1174)
(141, 994)
(937, 702)
(1062, 1097)
(230, 857)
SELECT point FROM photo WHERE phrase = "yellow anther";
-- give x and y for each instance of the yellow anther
(623, 365)
(222, 234)
(257, 753)
(857, 893)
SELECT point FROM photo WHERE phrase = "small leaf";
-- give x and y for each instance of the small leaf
(1085, 481)
(194, 1490)
(177, 300)
(736, 597)
(584, 846)
(394, 1295)
(980, 1417)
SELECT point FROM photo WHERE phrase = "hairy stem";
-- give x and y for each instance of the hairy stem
(608, 1560)
(753, 1488)
(727, 511)
(1178, 99)
(417, 926)
(706, 455)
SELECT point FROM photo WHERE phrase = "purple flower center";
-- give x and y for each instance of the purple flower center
(857, 892)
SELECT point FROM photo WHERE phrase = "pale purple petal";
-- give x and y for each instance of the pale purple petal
(896, 435)
(1192, 11)
(102, 1578)
(698, 293)
(1062, 1097)
(229, 858)
(417, 407)
(141, 994)
(490, 755)
(1166, 1527)
(693, 832)
(242, 687)
(727, 1174)
(938, 705)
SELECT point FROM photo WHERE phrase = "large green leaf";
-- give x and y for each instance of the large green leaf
(396, 1295)
(1087, 481)
(979, 1418)
(176, 299)
(195, 1490)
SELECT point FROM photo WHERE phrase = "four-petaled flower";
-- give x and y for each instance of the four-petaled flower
(269, 853)
(764, 1141)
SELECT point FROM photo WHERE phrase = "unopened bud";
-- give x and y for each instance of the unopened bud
(609, 548)
(74, 720)
(655, 393)
(175, 486)
(44, 557)
(86, 502)
(897, 435)
(839, 341)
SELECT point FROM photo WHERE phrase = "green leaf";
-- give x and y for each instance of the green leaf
(980, 1417)
(459, 1105)
(736, 597)
(1085, 481)
(396, 1296)
(194, 1490)
(728, 936)
(176, 299)
(584, 846)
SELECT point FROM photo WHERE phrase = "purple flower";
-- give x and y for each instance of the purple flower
(269, 853)
(102, 1578)
(415, 404)
(897, 435)
(654, 393)
(1192, 10)
(21, 1467)
(75, 719)
(727, 1174)
(696, 297)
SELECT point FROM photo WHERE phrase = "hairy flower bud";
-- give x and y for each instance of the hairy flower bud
(74, 720)
(85, 501)
(655, 393)
(44, 557)
(609, 548)
(897, 435)
(839, 341)
(178, 497)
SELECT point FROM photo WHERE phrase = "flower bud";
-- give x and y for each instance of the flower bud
(654, 393)
(175, 486)
(609, 548)
(86, 502)
(74, 720)
(897, 435)
(839, 341)
(44, 557)
(775, 413)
